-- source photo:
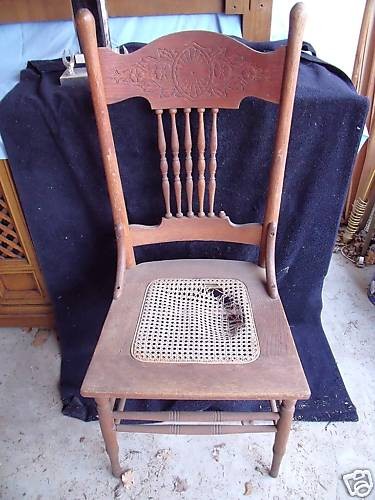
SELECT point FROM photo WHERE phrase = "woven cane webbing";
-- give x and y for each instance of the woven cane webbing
(196, 321)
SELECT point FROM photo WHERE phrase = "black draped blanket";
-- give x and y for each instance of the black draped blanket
(51, 139)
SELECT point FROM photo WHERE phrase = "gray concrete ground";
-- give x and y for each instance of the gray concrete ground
(45, 455)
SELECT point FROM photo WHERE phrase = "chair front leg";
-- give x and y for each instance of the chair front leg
(107, 426)
(283, 428)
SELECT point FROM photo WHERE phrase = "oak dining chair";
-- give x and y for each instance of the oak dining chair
(194, 329)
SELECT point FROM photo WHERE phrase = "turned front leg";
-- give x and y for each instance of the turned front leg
(107, 426)
(282, 434)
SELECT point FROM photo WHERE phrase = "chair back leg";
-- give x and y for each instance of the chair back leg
(281, 438)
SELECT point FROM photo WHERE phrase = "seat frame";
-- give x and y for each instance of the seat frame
(160, 72)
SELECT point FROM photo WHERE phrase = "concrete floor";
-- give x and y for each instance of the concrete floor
(45, 455)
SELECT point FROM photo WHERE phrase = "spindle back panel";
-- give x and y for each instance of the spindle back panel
(181, 151)
(184, 71)
(177, 73)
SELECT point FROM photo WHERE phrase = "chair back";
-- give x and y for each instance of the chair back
(193, 73)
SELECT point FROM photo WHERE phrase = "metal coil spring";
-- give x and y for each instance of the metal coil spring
(358, 211)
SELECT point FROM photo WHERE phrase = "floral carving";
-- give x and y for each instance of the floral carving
(233, 73)
(192, 72)
(150, 73)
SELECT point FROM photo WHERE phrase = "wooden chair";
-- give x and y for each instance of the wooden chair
(194, 329)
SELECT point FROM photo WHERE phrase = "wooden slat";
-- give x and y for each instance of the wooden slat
(191, 430)
(212, 165)
(163, 164)
(7, 229)
(6, 217)
(12, 11)
(201, 162)
(256, 20)
(121, 404)
(20, 11)
(195, 416)
(199, 229)
(11, 243)
(157, 7)
(18, 316)
(5, 213)
(274, 406)
(8, 253)
(175, 146)
(188, 164)
(120, 409)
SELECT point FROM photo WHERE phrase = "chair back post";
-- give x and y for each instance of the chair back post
(125, 254)
(295, 38)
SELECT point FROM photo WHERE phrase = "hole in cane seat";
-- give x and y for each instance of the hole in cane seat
(196, 321)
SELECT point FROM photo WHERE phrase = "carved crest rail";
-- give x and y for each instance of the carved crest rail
(199, 69)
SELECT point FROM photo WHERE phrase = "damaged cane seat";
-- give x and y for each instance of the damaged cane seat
(196, 320)
(271, 369)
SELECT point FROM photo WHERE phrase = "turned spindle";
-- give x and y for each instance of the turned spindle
(175, 146)
(188, 164)
(201, 162)
(212, 164)
(163, 164)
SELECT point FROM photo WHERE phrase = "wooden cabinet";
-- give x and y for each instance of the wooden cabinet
(23, 296)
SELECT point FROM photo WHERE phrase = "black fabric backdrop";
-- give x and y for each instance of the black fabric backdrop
(51, 139)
